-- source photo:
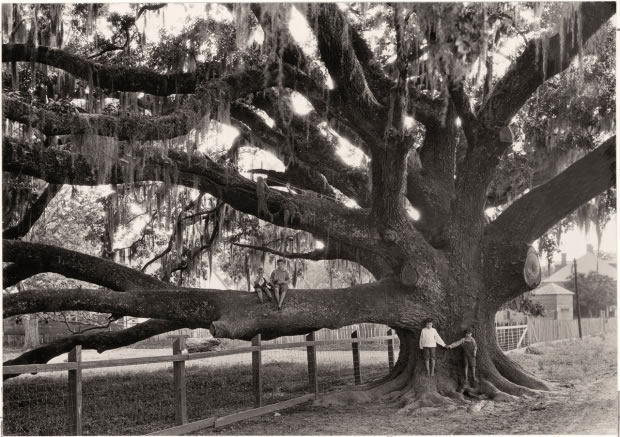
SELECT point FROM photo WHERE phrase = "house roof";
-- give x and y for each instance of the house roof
(585, 264)
(550, 289)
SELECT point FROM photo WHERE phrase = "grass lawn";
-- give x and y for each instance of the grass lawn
(583, 399)
(136, 403)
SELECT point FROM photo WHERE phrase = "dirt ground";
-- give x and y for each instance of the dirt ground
(584, 400)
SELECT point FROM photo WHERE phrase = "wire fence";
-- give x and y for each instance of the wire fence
(512, 337)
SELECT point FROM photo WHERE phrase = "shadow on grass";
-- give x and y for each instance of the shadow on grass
(139, 403)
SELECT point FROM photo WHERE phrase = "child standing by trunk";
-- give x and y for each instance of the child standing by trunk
(429, 337)
(470, 349)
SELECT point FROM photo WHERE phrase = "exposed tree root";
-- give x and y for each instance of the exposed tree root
(515, 373)
(413, 392)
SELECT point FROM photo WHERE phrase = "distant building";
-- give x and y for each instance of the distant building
(585, 264)
(557, 300)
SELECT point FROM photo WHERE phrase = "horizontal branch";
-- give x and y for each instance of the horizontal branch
(204, 102)
(111, 77)
(187, 305)
(76, 265)
(236, 314)
(123, 128)
(534, 213)
(322, 217)
(14, 273)
(306, 142)
(100, 341)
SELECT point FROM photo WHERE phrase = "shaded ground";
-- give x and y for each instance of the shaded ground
(122, 402)
(584, 401)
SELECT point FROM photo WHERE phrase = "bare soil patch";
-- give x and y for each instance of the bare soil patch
(584, 400)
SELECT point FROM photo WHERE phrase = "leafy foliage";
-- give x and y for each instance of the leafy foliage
(596, 292)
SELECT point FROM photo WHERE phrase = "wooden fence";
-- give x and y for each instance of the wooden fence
(542, 330)
(75, 365)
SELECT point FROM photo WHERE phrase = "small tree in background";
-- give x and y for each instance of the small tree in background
(596, 292)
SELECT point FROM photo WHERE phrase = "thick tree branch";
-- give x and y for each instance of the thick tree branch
(301, 212)
(45, 258)
(236, 314)
(187, 305)
(15, 273)
(335, 43)
(306, 150)
(534, 213)
(205, 101)
(337, 51)
(532, 68)
(423, 108)
(100, 341)
(111, 77)
(123, 128)
(33, 213)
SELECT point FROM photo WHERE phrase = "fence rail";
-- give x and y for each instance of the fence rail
(75, 366)
(314, 353)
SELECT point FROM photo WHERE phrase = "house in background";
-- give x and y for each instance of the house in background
(585, 264)
(557, 300)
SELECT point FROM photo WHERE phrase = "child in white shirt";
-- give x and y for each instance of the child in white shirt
(428, 341)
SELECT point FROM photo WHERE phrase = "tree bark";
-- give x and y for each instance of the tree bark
(32, 214)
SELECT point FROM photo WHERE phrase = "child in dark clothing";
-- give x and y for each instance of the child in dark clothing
(261, 285)
(470, 349)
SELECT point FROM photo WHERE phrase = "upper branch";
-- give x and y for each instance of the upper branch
(45, 258)
(205, 101)
(532, 67)
(112, 77)
(338, 54)
(534, 213)
(322, 217)
(306, 143)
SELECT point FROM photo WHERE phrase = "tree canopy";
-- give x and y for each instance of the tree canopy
(475, 128)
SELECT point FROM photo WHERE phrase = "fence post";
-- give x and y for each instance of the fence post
(356, 359)
(75, 392)
(257, 373)
(180, 385)
(390, 344)
(312, 370)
